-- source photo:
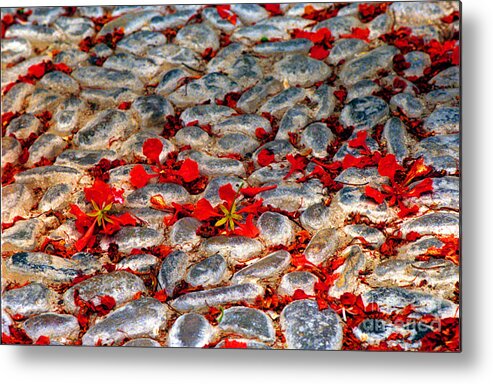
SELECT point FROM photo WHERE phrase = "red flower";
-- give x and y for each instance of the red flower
(234, 344)
(43, 340)
(388, 166)
(253, 191)
(226, 13)
(375, 194)
(298, 164)
(273, 9)
(357, 33)
(248, 229)
(102, 197)
(265, 157)
(318, 52)
(359, 141)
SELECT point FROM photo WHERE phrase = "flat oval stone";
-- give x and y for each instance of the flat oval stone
(129, 22)
(59, 82)
(13, 100)
(200, 300)
(236, 143)
(193, 136)
(237, 248)
(253, 33)
(57, 327)
(291, 197)
(253, 98)
(142, 342)
(171, 80)
(43, 100)
(395, 135)
(38, 265)
(198, 37)
(120, 285)
(275, 228)
(140, 263)
(175, 55)
(11, 150)
(142, 67)
(267, 267)
(172, 271)
(83, 158)
(190, 330)
(306, 327)
(438, 223)
(24, 235)
(174, 20)
(298, 280)
(38, 34)
(104, 78)
(448, 78)
(249, 13)
(279, 104)
(346, 49)
(422, 13)
(324, 244)
(46, 176)
(102, 99)
(15, 49)
(212, 17)
(47, 146)
(446, 192)
(246, 123)
(313, 218)
(206, 114)
(373, 237)
(55, 197)
(29, 300)
(152, 110)
(361, 89)
(349, 277)
(129, 238)
(443, 120)
(301, 70)
(139, 42)
(419, 62)
(133, 148)
(248, 322)
(284, 47)
(209, 271)
(317, 137)
(141, 198)
(214, 166)
(183, 233)
(140, 318)
(17, 200)
(364, 113)
(75, 28)
(23, 126)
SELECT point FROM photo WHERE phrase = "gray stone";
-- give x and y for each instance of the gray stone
(236, 248)
(23, 235)
(446, 192)
(364, 113)
(23, 126)
(211, 192)
(143, 68)
(142, 342)
(129, 22)
(443, 120)
(246, 123)
(236, 143)
(15, 50)
(206, 114)
(395, 136)
(197, 37)
(46, 176)
(140, 318)
(417, 13)
(133, 148)
(419, 62)
(103, 78)
(57, 327)
(152, 110)
(209, 271)
(195, 137)
(129, 238)
(373, 238)
(140, 263)
(279, 148)
(120, 285)
(253, 98)
(171, 80)
(267, 267)
(183, 233)
(75, 28)
(346, 49)
(55, 197)
(298, 280)
(190, 331)
(317, 137)
(294, 120)
(174, 20)
(324, 245)
(301, 70)
(140, 42)
(13, 100)
(438, 223)
(173, 270)
(448, 78)
(280, 103)
(361, 89)
(141, 198)
(313, 218)
(29, 300)
(214, 166)
(294, 46)
(306, 327)
(47, 146)
(83, 159)
(248, 322)
(291, 197)
(410, 105)
(43, 100)
(348, 280)
(338, 25)
(201, 300)
(275, 229)
(17, 200)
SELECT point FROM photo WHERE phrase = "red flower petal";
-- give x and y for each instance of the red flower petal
(234, 344)
(248, 229)
(152, 149)
(318, 52)
(189, 170)
(265, 157)
(253, 191)
(88, 239)
(297, 164)
(227, 194)
(273, 9)
(359, 141)
(423, 187)
(204, 210)
(388, 166)
(43, 340)
(139, 177)
(103, 194)
(375, 194)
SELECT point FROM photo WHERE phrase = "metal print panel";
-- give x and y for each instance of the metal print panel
(271, 176)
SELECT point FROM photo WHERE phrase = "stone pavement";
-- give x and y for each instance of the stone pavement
(304, 193)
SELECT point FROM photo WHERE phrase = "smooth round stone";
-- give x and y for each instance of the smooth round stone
(68, 115)
(394, 299)
(190, 331)
(447, 96)
(438, 223)
(183, 233)
(237, 248)
(21, 127)
(299, 280)
(129, 22)
(45, 15)
(324, 100)
(446, 192)
(102, 99)
(24, 235)
(139, 42)
(212, 17)
(140, 318)
(173, 270)
(373, 237)
(129, 238)
(249, 13)
(253, 33)
(306, 327)
(248, 322)
(43, 100)
(246, 71)
(120, 285)
(72, 57)
(236, 143)
(361, 89)
(13, 100)
(174, 55)
(140, 263)
(379, 25)
(29, 300)
(105, 128)
(14, 50)
(83, 159)
(313, 218)
(279, 148)
(46, 176)
(206, 114)
(301, 70)
(294, 120)
(171, 80)
(317, 137)
(47, 146)
(419, 247)
(209, 271)
(211, 192)
(324, 244)
(279, 104)
(346, 49)
(367, 65)
(419, 62)
(17, 200)
(407, 103)
(141, 198)
(284, 47)
(75, 28)
(395, 136)
(55, 197)
(53, 325)
(339, 25)
(11, 149)
(225, 57)
(197, 37)
(291, 197)
(271, 174)
(267, 267)
(443, 120)
(246, 123)
(349, 277)
(142, 342)
(253, 98)
(104, 78)
(250, 344)
(448, 78)
(193, 136)
(364, 113)
(201, 300)
(410, 14)
(174, 20)
(37, 34)
(214, 166)
(143, 67)
(275, 228)
(152, 110)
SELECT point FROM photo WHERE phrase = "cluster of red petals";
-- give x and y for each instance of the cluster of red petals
(111, 39)
(101, 196)
(368, 11)
(273, 9)
(225, 13)
(87, 308)
(322, 14)
(234, 344)
(367, 158)
(168, 172)
(448, 251)
(9, 19)
(322, 40)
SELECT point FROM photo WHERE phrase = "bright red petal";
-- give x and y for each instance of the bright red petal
(152, 149)
(204, 210)
(139, 177)
(227, 193)
(423, 187)
(265, 157)
(318, 52)
(248, 229)
(189, 170)
(253, 191)
(375, 194)
(103, 194)
(359, 141)
(87, 239)
(388, 166)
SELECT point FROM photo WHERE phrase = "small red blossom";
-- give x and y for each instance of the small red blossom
(265, 157)
(234, 344)
(273, 9)
(357, 33)
(297, 163)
